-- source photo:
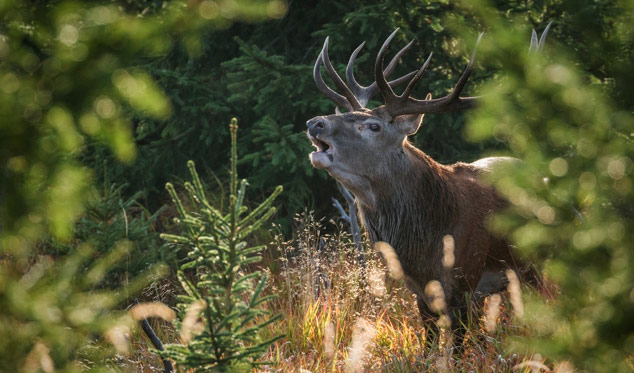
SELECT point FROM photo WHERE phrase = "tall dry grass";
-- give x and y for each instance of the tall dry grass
(340, 317)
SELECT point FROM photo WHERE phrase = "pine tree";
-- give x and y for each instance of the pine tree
(567, 113)
(110, 218)
(221, 314)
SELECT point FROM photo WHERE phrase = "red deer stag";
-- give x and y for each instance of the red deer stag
(404, 197)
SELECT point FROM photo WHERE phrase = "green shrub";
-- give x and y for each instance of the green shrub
(110, 218)
(53, 318)
(221, 312)
(565, 114)
(71, 74)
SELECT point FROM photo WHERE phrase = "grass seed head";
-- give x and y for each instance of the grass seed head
(515, 293)
(362, 337)
(448, 246)
(329, 340)
(492, 313)
(192, 326)
(118, 336)
(391, 259)
(39, 359)
(436, 296)
(152, 309)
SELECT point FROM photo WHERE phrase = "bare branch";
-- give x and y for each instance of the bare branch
(353, 220)
(341, 210)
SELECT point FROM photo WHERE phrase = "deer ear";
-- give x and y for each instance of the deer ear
(411, 123)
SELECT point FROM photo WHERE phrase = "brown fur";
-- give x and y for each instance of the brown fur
(410, 201)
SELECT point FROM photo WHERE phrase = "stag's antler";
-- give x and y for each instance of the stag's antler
(364, 94)
(537, 46)
(355, 96)
(397, 105)
(323, 87)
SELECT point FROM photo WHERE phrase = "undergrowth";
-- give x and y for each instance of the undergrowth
(338, 317)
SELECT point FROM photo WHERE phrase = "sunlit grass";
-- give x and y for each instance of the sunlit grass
(339, 317)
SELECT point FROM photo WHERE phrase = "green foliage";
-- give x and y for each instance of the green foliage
(108, 219)
(71, 77)
(568, 114)
(52, 315)
(264, 73)
(142, 82)
(224, 296)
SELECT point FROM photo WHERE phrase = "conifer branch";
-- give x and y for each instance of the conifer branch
(217, 253)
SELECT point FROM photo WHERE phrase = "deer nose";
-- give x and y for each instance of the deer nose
(316, 126)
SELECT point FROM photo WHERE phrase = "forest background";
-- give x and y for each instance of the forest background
(102, 103)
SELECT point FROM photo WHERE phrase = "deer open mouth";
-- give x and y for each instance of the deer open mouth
(323, 156)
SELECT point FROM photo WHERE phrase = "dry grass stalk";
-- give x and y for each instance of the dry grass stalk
(39, 360)
(391, 259)
(192, 326)
(448, 246)
(153, 309)
(492, 313)
(435, 295)
(362, 337)
(119, 336)
(446, 341)
(515, 293)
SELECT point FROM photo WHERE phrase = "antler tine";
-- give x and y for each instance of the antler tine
(417, 77)
(402, 79)
(455, 94)
(364, 94)
(323, 87)
(359, 91)
(404, 104)
(379, 77)
(534, 42)
(337, 79)
(538, 45)
(542, 39)
(390, 66)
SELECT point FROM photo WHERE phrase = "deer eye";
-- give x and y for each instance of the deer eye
(375, 127)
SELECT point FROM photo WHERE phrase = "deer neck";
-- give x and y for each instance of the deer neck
(416, 205)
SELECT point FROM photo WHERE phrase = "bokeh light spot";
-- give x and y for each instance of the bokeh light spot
(68, 35)
(558, 167)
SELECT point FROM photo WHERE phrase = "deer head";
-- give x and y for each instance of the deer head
(362, 147)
